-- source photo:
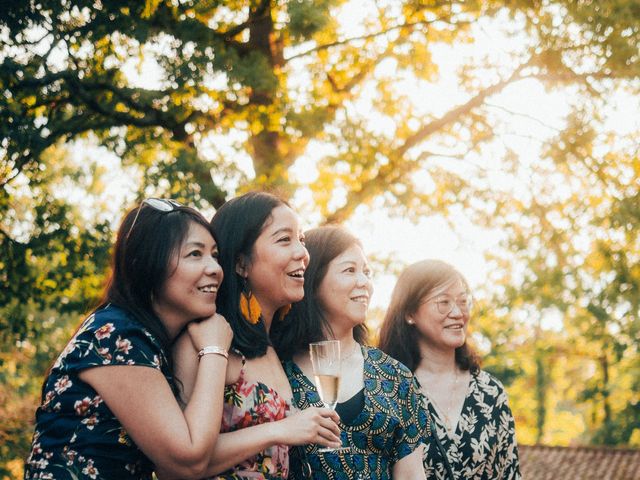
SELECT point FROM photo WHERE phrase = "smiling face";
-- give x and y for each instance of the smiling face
(437, 330)
(275, 271)
(189, 293)
(346, 289)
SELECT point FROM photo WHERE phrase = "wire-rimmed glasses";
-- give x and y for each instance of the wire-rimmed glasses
(162, 204)
(445, 303)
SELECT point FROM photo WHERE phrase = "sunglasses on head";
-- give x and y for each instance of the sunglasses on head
(160, 204)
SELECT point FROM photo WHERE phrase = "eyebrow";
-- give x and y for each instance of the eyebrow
(282, 230)
(199, 244)
(353, 262)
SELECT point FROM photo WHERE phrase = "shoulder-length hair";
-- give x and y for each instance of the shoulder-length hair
(398, 338)
(238, 224)
(146, 243)
(307, 322)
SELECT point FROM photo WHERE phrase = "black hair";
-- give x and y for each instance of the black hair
(238, 224)
(146, 243)
(398, 338)
(306, 322)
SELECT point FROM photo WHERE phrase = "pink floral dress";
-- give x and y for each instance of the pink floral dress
(253, 403)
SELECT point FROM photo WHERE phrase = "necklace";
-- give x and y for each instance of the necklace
(446, 412)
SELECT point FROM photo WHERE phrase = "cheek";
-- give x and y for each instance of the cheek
(425, 324)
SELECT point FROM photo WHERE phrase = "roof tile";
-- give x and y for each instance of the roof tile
(541, 462)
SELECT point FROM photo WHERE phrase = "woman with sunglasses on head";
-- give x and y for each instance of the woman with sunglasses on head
(425, 327)
(381, 415)
(109, 408)
(264, 260)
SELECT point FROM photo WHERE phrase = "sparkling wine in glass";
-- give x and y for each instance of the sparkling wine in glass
(325, 362)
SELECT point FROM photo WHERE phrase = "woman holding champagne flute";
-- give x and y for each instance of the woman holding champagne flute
(381, 416)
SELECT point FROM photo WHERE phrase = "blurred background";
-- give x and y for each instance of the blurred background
(500, 136)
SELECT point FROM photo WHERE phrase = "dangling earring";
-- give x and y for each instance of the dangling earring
(283, 312)
(249, 306)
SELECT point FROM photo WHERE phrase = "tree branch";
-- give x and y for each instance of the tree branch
(386, 172)
(369, 36)
(523, 115)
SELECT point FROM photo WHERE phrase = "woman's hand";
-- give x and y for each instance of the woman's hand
(311, 425)
(214, 330)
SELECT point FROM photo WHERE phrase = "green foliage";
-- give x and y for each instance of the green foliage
(22, 367)
(307, 17)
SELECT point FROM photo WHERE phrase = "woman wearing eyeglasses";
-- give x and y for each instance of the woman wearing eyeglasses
(264, 259)
(109, 408)
(471, 433)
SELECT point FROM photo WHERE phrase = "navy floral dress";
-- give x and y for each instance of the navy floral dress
(483, 445)
(388, 428)
(76, 435)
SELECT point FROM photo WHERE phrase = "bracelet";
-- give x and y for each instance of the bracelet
(212, 350)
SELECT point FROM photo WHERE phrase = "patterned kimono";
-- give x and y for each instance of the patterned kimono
(387, 429)
(483, 445)
(76, 435)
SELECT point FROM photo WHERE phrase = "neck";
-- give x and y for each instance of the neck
(172, 323)
(437, 361)
(347, 343)
(267, 312)
(267, 319)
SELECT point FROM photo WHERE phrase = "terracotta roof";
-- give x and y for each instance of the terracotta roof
(539, 462)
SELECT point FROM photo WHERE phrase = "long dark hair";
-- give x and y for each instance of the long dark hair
(141, 263)
(397, 337)
(306, 322)
(238, 224)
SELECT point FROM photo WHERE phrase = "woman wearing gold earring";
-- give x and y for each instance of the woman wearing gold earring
(264, 259)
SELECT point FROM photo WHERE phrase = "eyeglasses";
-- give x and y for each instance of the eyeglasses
(445, 303)
(161, 204)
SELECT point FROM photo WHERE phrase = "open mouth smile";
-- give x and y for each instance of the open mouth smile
(299, 273)
(361, 299)
(213, 288)
(455, 326)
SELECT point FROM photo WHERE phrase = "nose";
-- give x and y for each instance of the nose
(301, 252)
(456, 311)
(362, 279)
(213, 268)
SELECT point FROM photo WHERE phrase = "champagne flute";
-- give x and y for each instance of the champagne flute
(325, 362)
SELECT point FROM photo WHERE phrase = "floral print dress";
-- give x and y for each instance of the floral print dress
(388, 428)
(76, 435)
(253, 403)
(483, 445)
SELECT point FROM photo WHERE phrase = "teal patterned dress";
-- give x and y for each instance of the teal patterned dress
(76, 435)
(388, 428)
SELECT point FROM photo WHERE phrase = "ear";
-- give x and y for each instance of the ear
(242, 266)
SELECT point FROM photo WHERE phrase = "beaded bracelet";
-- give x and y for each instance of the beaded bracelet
(212, 350)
